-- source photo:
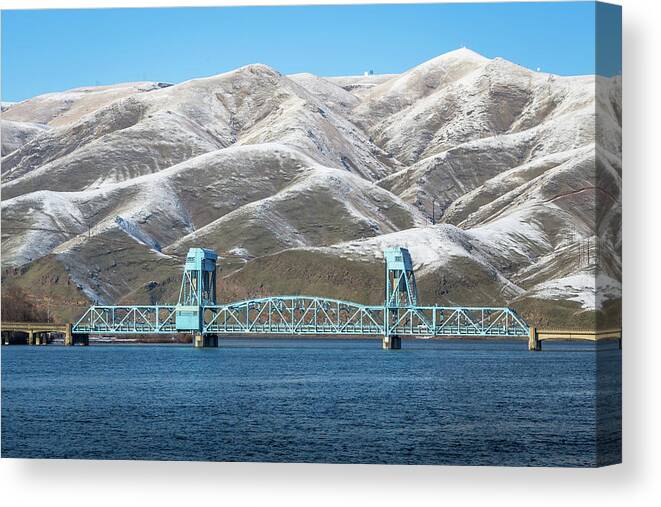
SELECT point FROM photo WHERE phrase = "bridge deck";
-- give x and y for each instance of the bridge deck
(578, 334)
(36, 327)
(538, 336)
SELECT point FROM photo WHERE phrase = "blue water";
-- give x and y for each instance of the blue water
(336, 401)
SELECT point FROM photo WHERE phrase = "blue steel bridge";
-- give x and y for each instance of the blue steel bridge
(199, 312)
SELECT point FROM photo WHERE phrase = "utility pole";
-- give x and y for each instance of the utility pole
(49, 300)
(588, 252)
(88, 223)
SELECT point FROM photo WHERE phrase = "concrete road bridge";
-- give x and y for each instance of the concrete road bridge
(537, 336)
(38, 333)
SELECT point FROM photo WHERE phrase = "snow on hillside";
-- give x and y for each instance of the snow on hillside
(153, 200)
(326, 91)
(15, 134)
(432, 248)
(321, 205)
(587, 288)
(148, 132)
(361, 84)
(65, 108)
(428, 246)
(395, 94)
(499, 192)
(514, 235)
(523, 168)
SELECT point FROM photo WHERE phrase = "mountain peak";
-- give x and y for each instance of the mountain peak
(458, 56)
(464, 52)
(259, 69)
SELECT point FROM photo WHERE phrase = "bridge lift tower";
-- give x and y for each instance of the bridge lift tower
(198, 290)
(400, 292)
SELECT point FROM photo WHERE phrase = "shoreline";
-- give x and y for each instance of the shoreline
(138, 341)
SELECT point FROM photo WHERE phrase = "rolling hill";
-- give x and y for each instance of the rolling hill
(300, 181)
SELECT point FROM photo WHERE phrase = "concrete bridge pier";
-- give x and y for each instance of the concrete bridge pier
(81, 339)
(71, 339)
(68, 336)
(201, 341)
(40, 339)
(534, 343)
(5, 338)
(393, 342)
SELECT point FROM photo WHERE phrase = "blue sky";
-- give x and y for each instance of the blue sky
(52, 50)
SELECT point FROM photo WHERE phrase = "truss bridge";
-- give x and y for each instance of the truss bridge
(199, 312)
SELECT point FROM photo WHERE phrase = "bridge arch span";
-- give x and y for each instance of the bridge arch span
(294, 315)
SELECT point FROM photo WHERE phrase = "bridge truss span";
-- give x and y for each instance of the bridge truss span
(154, 319)
(455, 321)
(294, 315)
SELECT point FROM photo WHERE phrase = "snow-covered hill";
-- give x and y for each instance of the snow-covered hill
(17, 133)
(104, 188)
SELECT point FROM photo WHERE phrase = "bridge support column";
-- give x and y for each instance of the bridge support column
(31, 337)
(5, 338)
(40, 339)
(534, 342)
(78, 339)
(393, 342)
(201, 341)
(68, 336)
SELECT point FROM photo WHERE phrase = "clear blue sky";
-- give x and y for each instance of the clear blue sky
(52, 50)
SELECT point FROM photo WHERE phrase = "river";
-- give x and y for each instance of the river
(455, 402)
